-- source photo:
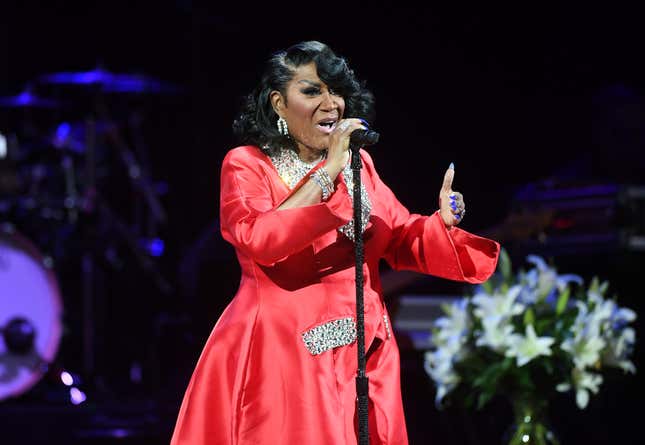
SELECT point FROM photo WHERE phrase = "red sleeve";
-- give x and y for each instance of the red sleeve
(423, 244)
(251, 222)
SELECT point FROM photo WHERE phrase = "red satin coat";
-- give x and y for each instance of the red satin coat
(256, 382)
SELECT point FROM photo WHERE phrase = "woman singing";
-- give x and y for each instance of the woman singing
(280, 364)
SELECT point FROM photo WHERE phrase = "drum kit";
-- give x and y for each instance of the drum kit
(63, 158)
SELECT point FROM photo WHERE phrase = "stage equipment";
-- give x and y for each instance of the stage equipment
(586, 217)
(30, 313)
(80, 191)
(109, 82)
(27, 99)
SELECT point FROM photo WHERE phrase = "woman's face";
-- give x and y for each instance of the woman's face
(311, 109)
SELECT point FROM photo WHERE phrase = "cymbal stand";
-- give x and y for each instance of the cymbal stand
(87, 262)
(138, 175)
(147, 220)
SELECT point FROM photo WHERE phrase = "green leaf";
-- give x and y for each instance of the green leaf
(507, 363)
(488, 286)
(488, 379)
(505, 266)
(603, 288)
(541, 326)
(563, 299)
(548, 366)
(445, 307)
(529, 317)
(594, 286)
(483, 399)
(469, 400)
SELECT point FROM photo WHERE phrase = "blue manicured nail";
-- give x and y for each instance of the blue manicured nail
(452, 166)
(364, 122)
(457, 216)
(453, 205)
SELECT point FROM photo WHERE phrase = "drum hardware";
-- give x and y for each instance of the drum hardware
(28, 99)
(19, 335)
(138, 176)
(30, 311)
(142, 249)
(56, 178)
(108, 82)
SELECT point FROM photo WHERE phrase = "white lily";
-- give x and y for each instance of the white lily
(592, 323)
(584, 349)
(602, 313)
(456, 323)
(625, 314)
(619, 348)
(563, 280)
(498, 306)
(544, 278)
(439, 365)
(526, 347)
(495, 335)
(583, 382)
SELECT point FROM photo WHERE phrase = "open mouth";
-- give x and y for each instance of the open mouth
(327, 125)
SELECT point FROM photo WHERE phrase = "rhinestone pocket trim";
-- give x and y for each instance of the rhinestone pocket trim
(330, 335)
(292, 169)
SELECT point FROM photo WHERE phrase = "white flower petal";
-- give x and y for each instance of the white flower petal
(582, 398)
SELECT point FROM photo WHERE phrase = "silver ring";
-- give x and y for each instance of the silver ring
(343, 125)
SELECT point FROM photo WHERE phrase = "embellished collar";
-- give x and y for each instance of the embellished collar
(292, 169)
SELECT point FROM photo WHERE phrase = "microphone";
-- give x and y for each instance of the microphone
(363, 138)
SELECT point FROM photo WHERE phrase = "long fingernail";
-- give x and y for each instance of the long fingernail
(453, 205)
(451, 166)
(364, 122)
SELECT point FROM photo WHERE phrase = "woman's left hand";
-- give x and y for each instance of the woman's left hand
(451, 204)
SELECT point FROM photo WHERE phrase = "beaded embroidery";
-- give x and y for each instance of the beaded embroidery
(386, 321)
(330, 335)
(366, 208)
(292, 169)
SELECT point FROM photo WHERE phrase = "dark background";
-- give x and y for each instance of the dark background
(510, 94)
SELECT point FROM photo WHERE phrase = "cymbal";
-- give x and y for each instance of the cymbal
(109, 82)
(141, 84)
(27, 99)
(93, 77)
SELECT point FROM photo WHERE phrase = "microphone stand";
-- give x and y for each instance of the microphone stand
(362, 383)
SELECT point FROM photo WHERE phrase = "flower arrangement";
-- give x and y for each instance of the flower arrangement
(527, 336)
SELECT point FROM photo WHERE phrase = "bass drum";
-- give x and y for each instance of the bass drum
(28, 291)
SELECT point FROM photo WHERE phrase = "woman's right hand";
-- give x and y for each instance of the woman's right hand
(338, 151)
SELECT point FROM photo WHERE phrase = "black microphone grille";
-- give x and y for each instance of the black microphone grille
(363, 138)
(371, 137)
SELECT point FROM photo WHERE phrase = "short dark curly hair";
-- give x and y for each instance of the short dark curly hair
(256, 121)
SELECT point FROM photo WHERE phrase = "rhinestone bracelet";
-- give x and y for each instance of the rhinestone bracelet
(322, 178)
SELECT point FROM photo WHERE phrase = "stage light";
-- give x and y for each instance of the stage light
(66, 378)
(155, 247)
(3, 146)
(77, 396)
